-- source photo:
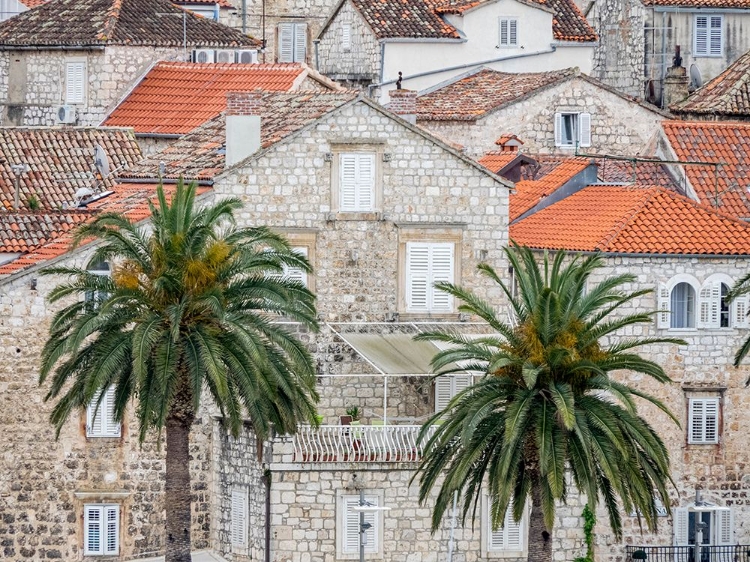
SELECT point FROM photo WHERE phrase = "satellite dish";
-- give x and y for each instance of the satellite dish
(695, 78)
(82, 194)
(101, 161)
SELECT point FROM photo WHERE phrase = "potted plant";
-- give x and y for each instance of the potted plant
(354, 413)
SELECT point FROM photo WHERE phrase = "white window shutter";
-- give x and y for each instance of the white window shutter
(94, 419)
(710, 305)
(584, 129)
(703, 421)
(504, 32)
(510, 536)
(300, 42)
(701, 35)
(739, 308)
(297, 273)
(92, 529)
(112, 425)
(513, 32)
(238, 527)
(724, 527)
(112, 545)
(286, 42)
(680, 523)
(417, 276)
(715, 35)
(351, 538)
(662, 306)
(558, 129)
(101, 422)
(695, 421)
(443, 392)
(74, 82)
(348, 182)
(346, 37)
(365, 181)
(441, 259)
(711, 420)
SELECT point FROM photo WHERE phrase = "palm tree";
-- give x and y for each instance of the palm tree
(189, 308)
(547, 411)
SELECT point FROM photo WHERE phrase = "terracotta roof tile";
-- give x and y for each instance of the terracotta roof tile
(726, 95)
(497, 160)
(469, 98)
(200, 154)
(115, 22)
(643, 173)
(152, 107)
(632, 220)
(553, 174)
(24, 232)
(725, 143)
(60, 161)
(569, 24)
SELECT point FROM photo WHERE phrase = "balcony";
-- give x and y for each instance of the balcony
(708, 553)
(357, 444)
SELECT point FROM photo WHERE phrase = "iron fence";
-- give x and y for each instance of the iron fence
(707, 553)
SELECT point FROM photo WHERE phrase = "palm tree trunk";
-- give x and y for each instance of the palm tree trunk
(177, 496)
(540, 540)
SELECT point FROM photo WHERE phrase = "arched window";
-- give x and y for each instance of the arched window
(715, 309)
(682, 306)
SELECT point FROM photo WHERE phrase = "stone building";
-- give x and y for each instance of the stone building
(563, 111)
(420, 43)
(70, 61)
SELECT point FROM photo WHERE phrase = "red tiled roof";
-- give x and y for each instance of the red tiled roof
(221, 3)
(152, 107)
(24, 232)
(556, 173)
(497, 160)
(200, 154)
(727, 95)
(33, 3)
(642, 173)
(569, 24)
(632, 220)
(116, 22)
(726, 143)
(60, 162)
(469, 98)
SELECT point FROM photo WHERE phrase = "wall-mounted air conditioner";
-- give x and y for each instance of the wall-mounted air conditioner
(66, 114)
(247, 56)
(224, 56)
(203, 55)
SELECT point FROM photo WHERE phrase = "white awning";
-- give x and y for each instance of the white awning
(393, 354)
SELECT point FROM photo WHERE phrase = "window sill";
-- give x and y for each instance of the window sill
(405, 316)
(356, 216)
(506, 554)
(707, 56)
(681, 330)
(703, 444)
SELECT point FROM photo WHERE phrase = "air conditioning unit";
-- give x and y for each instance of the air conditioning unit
(224, 56)
(203, 55)
(247, 56)
(67, 114)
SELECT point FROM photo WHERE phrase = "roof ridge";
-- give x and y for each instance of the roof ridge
(113, 16)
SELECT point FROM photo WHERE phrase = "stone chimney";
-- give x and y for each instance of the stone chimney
(675, 82)
(243, 125)
(404, 104)
(509, 142)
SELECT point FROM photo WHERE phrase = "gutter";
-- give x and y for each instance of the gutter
(644, 255)
(52, 47)
(159, 135)
(267, 539)
(164, 181)
(693, 10)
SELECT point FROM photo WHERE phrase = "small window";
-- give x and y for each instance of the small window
(703, 421)
(572, 129)
(508, 538)
(709, 36)
(718, 525)
(292, 42)
(357, 181)
(346, 37)
(508, 32)
(75, 82)
(296, 273)
(682, 306)
(446, 387)
(95, 298)
(427, 264)
(101, 421)
(239, 518)
(101, 529)
(350, 526)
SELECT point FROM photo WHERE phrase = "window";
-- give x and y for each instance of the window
(101, 529)
(508, 32)
(75, 82)
(509, 539)
(572, 129)
(296, 273)
(239, 518)
(100, 419)
(718, 521)
(356, 181)
(346, 37)
(709, 37)
(428, 263)
(95, 298)
(715, 310)
(292, 42)
(682, 306)
(703, 421)
(447, 386)
(349, 530)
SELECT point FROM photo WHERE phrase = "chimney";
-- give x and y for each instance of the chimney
(675, 81)
(243, 125)
(509, 142)
(404, 104)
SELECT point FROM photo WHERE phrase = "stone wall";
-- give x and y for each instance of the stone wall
(358, 64)
(32, 83)
(618, 125)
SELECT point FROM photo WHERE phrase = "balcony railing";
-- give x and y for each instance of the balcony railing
(358, 443)
(708, 553)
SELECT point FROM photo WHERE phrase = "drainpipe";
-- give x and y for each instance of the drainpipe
(316, 42)
(244, 16)
(267, 483)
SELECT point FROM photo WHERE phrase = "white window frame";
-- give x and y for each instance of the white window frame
(710, 301)
(76, 78)
(722, 525)
(108, 427)
(704, 415)
(708, 39)
(436, 301)
(356, 192)
(664, 302)
(346, 37)
(239, 517)
(491, 537)
(296, 273)
(347, 526)
(581, 136)
(447, 386)
(292, 42)
(510, 32)
(102, 527)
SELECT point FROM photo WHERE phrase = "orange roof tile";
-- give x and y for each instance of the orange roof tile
(497, 160)
(635, 219)
(25, 231)
(719, 142)
(176, 97)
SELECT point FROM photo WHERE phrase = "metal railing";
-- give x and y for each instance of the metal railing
(708, 553)
(358, 443)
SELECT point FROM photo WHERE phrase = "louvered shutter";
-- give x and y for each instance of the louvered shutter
(348, 183)
(286, 42)
(238, 527)
(112, 545)
(346, 37)
(504, 32)
(710, 305)
(680, 523)
(701, 35)
(558, 129)
(513, 32)
(92, 523)
(417, 276)
(703, 421)
(365, 181)
(739, 308)
(441, 258)
(296, 273)
(357, 181)
(510, 536)
(443, 392)
(715, 35)
(351, 539)
(101, 422)
(724, 526)
(74, 82)
(695, 421)
(662, 306)
(300, 42)
(584, 129)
